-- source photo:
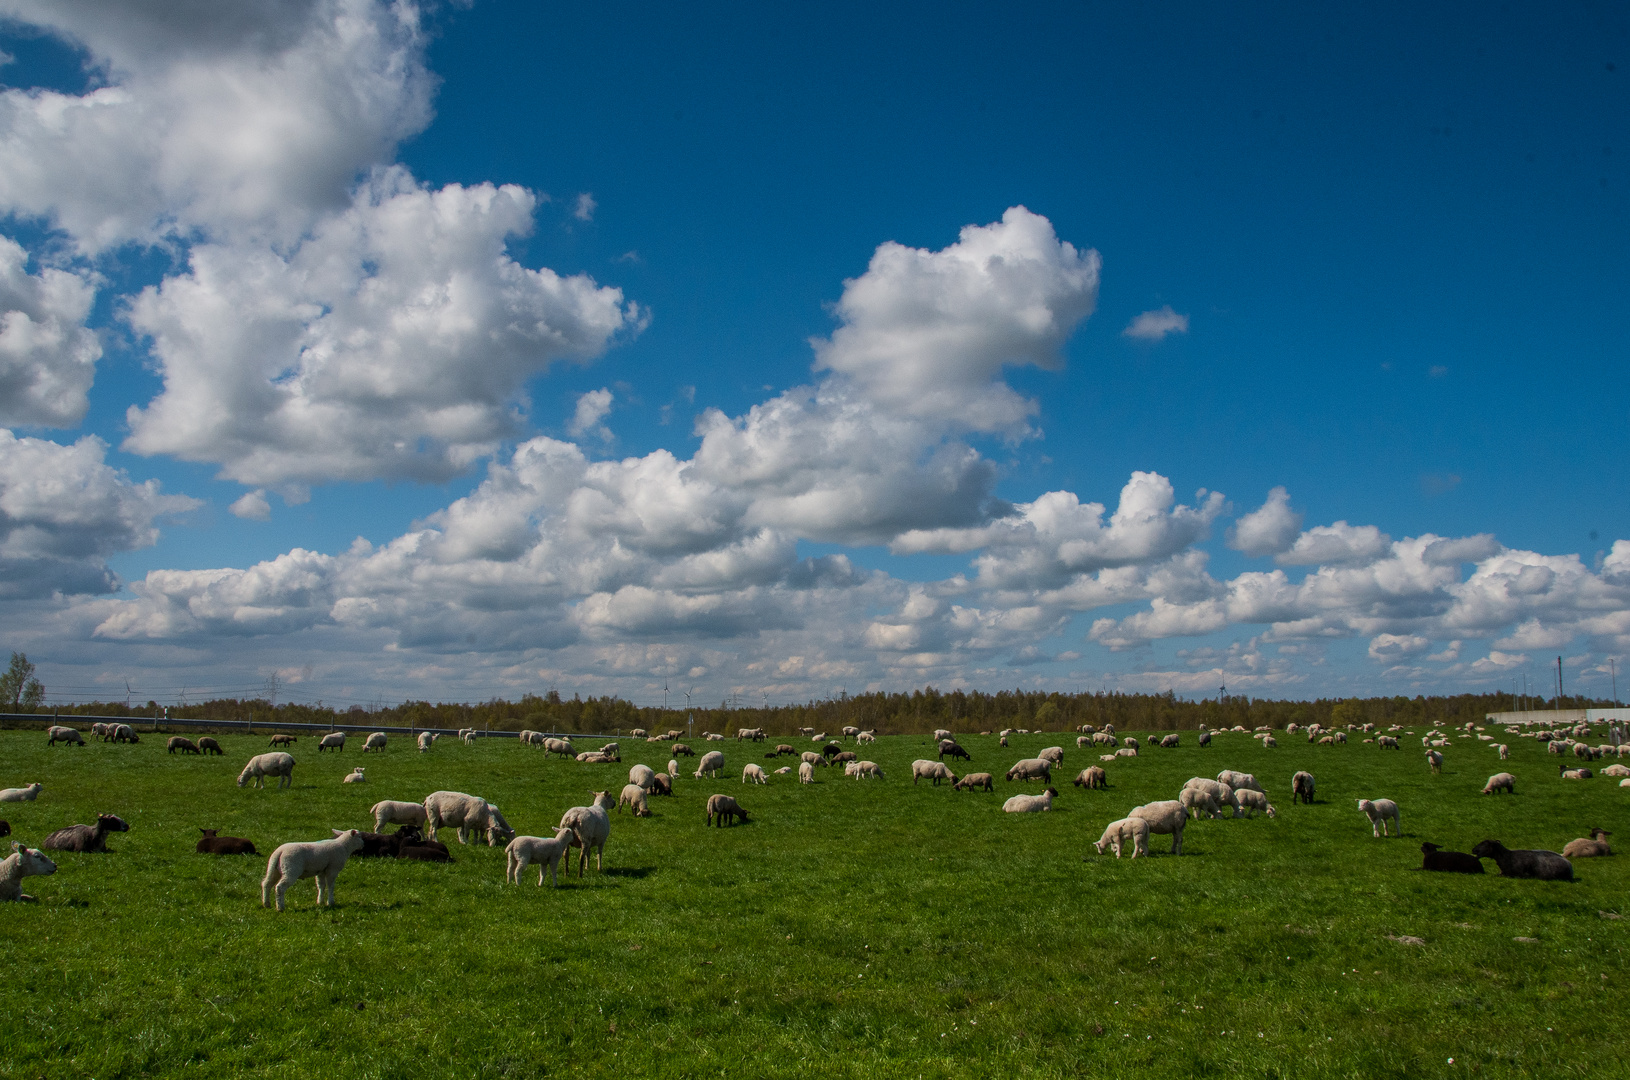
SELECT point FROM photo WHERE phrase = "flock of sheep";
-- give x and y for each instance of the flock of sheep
(1231, 794)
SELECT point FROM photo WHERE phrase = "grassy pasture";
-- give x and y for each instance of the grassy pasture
(852, 929)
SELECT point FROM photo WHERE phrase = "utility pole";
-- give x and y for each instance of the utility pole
(1559, 682)
(1614, 670)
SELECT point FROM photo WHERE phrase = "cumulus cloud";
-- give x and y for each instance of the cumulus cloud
(1326, 545)
(47, 355)
(1390, 648)
(584, 210)
(1155, 325)
(253, 506)
(1268, 530)
(592, 408)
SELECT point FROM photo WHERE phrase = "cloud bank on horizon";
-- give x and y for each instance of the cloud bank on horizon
(330, 318)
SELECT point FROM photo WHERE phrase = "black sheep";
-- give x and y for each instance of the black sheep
(211, 844)
(86, 837)
(1449, 862)
(5, 828)
(1545, 865)
(949, 746)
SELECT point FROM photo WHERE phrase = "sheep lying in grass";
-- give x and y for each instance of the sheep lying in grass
(1576, 774)
(1449, 862)
(1252, 801)
(468, 814)
(974, 780)
(1545, 865)
(1032, 769)
(213, 844)
(633, 797)
(320, 859)
(923, 769)
(86, 837)
(21, 794)
(722, 809)
(1129, 831)
(1378, 811)
(22, 862)
(181, 743)
(388, 812)
(590, 828)
(753, 773)
(806, 773)
(355, 776)
(1595, 847)
(1302, 787)
(1030, 804)
(1501, 781)
(1616, 770)
(1166, 816)
(711, 764)
(261, 766)
(546, 852)
(1091, 777)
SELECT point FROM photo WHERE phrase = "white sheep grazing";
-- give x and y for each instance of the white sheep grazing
(1166, 816)
(753, 773)
(673, 768)
(467, 735)
(21, 794)
(1378, 811)
(1502, 781)
(1031, 769)
(426, 738)
(1434, 759)
(1269, 742)
(868, 768)
(851, 768)
(633, 797)
(1030, 804)
(376, 741)
(261, 766)
(321, 859)
(712, 764)
(1220, 791)
(1083, 741)
(1237, 780)
(332, 741)
(1252, 801)
(355, 776)
(591, 828)
(1505, 752)
(1198, 801)
(941, 733)
(806, 773)
(467, 814)
(22, 862)
(536, 849)
(866, 736)
(397, 813)
(1055, 754)
(1127, 831)
(643, 775)
(928, 769)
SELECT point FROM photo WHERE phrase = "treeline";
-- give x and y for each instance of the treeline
(887, 714)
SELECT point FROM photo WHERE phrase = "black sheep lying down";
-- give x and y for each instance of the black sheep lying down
(1545, 865)
(405, 843)
(1451, 862)
(211, 844)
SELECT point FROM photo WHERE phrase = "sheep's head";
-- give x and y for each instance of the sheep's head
(112, 823)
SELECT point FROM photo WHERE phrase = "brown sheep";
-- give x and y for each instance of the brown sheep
(681, 750)
(86, 837)
(212, 844)
(208, 745)
(181, 743)
(973, 781)
(283, 740)
(1595, 847)
(723, 808)
(1093, 777)
(662, 784)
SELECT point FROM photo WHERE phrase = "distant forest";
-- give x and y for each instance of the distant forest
(887, 714)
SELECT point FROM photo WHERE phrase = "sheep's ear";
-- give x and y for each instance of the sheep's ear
(15, 846)
(339, 832)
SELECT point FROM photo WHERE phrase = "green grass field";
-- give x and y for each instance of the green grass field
(853, 928)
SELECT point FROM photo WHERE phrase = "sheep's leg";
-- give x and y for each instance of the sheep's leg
(599, 857)
(266, 884)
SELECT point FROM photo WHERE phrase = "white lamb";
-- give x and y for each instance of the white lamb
(321, 859)
(355, 776)
(397, 813)
(753, 773)
(536, 849)
(376, 741)
(673, 768)
(1616, 770)
(468, 814)
(866, 736)
(643, 775)
(591, 828)
(1505, 752)
(1378, 811)
(1435, 760)
(1198, 801)
(712, 764)
(783, 770)
(633, 797)
(1127, 831)
(426, 738)
(806, 773)
(1030, 804)
(22, 862)
(868, 768)
(1166, 816)
(261, 766)
(1252, 801)
(21, 794)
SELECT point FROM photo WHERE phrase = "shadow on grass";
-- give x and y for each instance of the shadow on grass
(639, 872)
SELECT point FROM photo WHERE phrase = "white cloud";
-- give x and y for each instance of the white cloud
(1327, 545)
(253, 506)
(1155, 325)
(584, 210)
(47, 356)
(1269, 529)
(592, 408)
(1449, 655)
(1390, 648)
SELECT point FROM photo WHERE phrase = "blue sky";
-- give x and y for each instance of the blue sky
(1396, 239)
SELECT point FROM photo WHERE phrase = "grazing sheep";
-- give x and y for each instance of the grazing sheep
(22, 862)
(941, 734)
(1269, 742)
(679, 749)
(1169, 741)
(1576, 774)
(847, 758)
(332, 741)
(1032, 769)
(637, 733)
(784, 748)
(536, 849)
(633, 797)
(181, 743)
(355, 776)
(21, 794)
(208, 745)
(866, 736)
(662, 785)
(1595, 847)
(261, 766)
(1378, 811)
(1030, 804)
(1252, 801)
(923, 769)
(1054, 755)
(806, 773)
(1237, 780)
(426, 740)
(64, 734)
(124, 733)
(1387, 742)
(810, 757)
(673, 769)
(468, 814)
(86, 837)
(1130, 741)
(974, 780)
(711, 764)
(1166, 816)
(102, 731)
(1205, 738)
(1545, 865)
(643, 775)
(1133, 831)
(467, 737)
(850, 732)
(722, 808)
(558, 748)
(1434, 759)
(1198, 802)
(949, 746)
(283, 740)
(1082, 742)
(1449, 862)
(591, 828)
(831, 750)
(1221, 792)
(753, 773)
(869, 768)
(1091, 777)
(1501, 781)
(398, 813)
(321, 859)
(1302, 787)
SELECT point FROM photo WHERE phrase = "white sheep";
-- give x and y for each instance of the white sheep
(21, 794)
(783, 770)
(1127, 831)
(810, 757)
(1166, 816)
(468, 814)
(1198, 801)
(1221, 792)
(851, 768)
(1435, 760)
(1505, 751)
(1252, 801)
(926, 769)
(397, 813)
(1031, 769)
(426, 739)
(558, 748)
(643, 775)
(1378, 811)
(633, 797)
(941, 733)
(806, 773)
(1054, 754)
(1237, 780)
(332, 741)
(1502, 781)
(261, 766)
(868, 768)
(753, 773)
(544, 851)
(712, 764)
(1616, 770)
(321, 859)
(1030, 804)
(376, 741)
(355, 776)
(591, 828)
(866, 736)
(467, 735)
(22, 862)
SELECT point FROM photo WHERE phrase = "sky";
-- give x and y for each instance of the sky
(415, 350)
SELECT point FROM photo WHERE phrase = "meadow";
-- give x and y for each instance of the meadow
(851, 929)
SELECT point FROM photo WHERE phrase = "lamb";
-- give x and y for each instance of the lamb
(283, 740)
(417, 847)
(208, 745)
(1576, 774)
(1595, 847)
(1269, 742)
(1616, 770)
(753, 772)
(22, 862)
(1055, 755)
(662, 785)
(850, 731)
(782, 771)
(1132, 831)
(806, 773)
(723, 807)
(21, 794)
(1223, 793)
(355, 776)
(1378, 811)
(923, 769)
(276, 764)
(975, 780)
(332, 741)
(467, 814)
(711, 764)
(181, 743)
(810, 757)
(1083, 741)
(1302, 787)
(1198, 801)
(1545, 865)
(398, 813)
(426, 740)
(679, 749)
(545, 852)
(86, 837)
(1032, 769)
(64, 734)
(1091, 777)
(1252, 801)
(1501, 781)
(1030, 804)
(1449, 862)
(1166, 816)
(869, 768)
(467, 737)
(597, 757)
(102, 731)
(1434, 759)
(633, 797)
(643, 775)
(321, 859)
(866, 736)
